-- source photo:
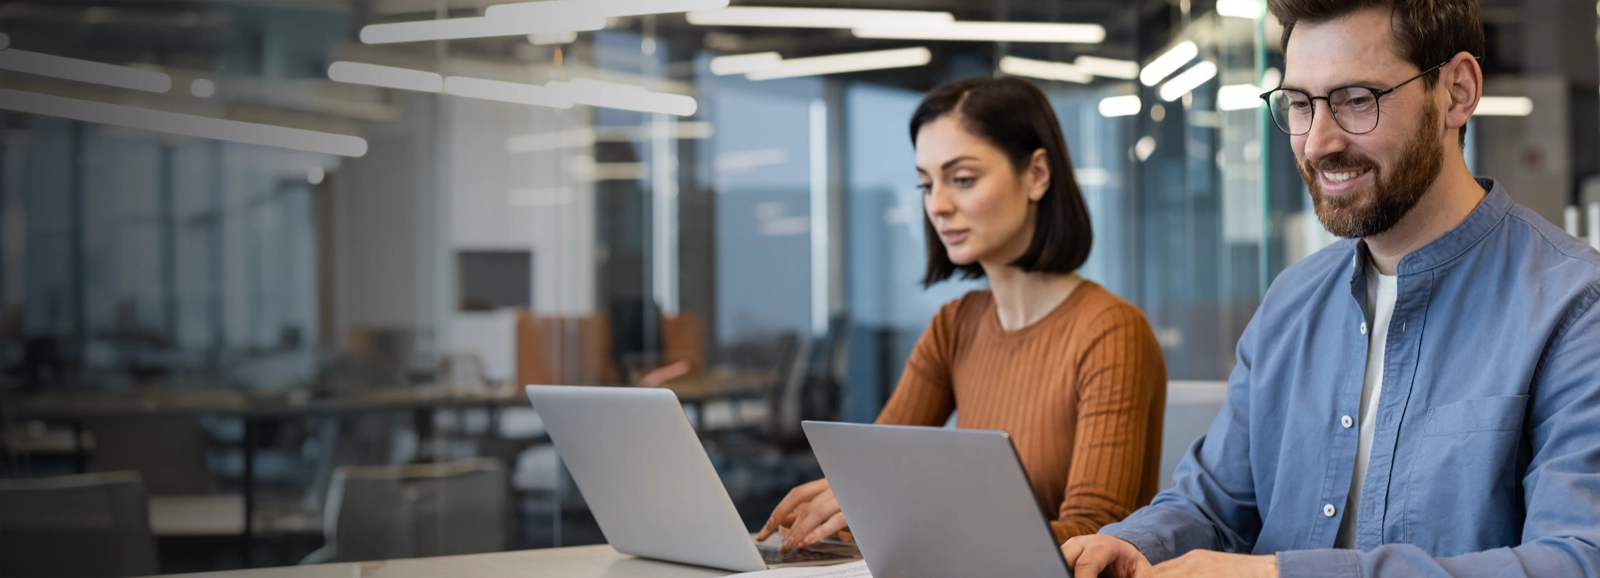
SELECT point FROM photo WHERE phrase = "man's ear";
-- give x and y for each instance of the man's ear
(1463, 83)
(1038, 175)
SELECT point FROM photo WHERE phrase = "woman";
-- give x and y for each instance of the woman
(1070, 371)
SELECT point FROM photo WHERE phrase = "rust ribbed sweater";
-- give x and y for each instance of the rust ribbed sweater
(1081, 392)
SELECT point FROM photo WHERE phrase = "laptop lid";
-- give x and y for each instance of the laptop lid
(645, 475)
(936, 503)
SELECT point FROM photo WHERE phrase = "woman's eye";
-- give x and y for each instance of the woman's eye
(962, 181)
(926, 188)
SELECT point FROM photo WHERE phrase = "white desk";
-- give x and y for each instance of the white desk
(577, 562)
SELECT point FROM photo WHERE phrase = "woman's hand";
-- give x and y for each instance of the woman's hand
(806, 516)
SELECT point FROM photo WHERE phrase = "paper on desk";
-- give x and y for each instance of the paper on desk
(856, 569)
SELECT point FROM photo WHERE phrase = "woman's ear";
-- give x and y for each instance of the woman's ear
(1038, 179)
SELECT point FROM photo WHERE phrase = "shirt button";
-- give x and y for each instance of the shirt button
(1363, 328)
(1347, 421)
(1327, 510)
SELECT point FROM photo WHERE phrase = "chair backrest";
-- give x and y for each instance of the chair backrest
(786, 405)
(169, 453)
(387, 512)
(683, 338)
(548, 354)
(69, 526)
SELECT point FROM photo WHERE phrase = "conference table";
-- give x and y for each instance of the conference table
(599, 561)
(258, 407)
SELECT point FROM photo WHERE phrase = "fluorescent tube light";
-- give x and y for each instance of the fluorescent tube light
(1168, 63)
(1504, 106)
(605, 7)
(1240, 8)
(549, 141)
(1238, 97)
(587, 136)
(813, 17)
(385, 76)
(1114, 106)
(567, 37)
(203, 88)
(511, 92)
(84, 71)
(544, 197)
(1188, 80)
(987, 32)
(182, 124)
(624, 97)
(851, 62)
(1108, 67)
(548, 18)
(744, 63)
(1042, 69)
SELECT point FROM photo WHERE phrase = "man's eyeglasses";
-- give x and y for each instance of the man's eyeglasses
(1355, 108)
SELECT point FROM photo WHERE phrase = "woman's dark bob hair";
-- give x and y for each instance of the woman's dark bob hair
(1013, 115)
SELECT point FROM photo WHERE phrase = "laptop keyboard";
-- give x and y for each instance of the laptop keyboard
(770, 555)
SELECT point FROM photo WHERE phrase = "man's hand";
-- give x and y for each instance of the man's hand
(1095, 555)
(1205, 564)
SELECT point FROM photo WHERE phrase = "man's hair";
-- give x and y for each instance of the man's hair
(1426, 32)
(1014, 116)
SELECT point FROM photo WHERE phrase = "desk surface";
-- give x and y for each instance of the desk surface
(577, 562)
(185, 401)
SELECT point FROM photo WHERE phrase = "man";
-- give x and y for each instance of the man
(1420, 399)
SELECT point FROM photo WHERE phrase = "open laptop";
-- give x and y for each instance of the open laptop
(937, 503)
(649, 483)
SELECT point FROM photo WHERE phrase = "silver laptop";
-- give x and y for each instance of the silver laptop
(649, 483)
(937, 503)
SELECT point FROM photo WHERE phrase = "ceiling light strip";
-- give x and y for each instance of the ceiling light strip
(182, 124)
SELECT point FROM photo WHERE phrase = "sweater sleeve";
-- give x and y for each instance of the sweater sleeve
(1121, 393)
(925, 395)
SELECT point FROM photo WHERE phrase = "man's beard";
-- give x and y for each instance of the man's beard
(1366, 215)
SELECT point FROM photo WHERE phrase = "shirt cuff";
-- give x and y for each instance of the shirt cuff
(1319, 563)
(1148, 543)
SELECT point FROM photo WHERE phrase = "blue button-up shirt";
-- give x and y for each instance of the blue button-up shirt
(1486, 453)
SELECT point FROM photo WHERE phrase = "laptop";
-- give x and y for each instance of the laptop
(937, 503)
(649, 483)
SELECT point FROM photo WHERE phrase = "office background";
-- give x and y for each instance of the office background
(263, 332)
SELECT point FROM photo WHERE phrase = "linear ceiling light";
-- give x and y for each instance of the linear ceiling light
(605, 7)
(1504, 106)
(1114, 106)
(744, 63)
(1250, 9)
(84, 71)
(588, 136)
(1042, 69)
(1107, 67)
(385, 76)
(1168, 63)
(1188, 80)
(183, 124)
(512, 92)
(852, 62)
(624, 97)
(813, 17)
(987, 32)
(546, 18)
(1238, 97)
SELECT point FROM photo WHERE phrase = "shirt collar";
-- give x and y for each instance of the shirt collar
(1489, 213)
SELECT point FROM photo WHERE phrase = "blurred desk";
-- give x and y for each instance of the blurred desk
(578, 562)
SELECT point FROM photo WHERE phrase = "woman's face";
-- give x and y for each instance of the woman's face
(981, 206)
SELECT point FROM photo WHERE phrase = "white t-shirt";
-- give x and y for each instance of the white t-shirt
(1382, 291)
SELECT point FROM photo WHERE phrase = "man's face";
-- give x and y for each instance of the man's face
(1362, 185)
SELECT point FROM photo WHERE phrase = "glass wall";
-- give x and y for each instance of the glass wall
(267, 256)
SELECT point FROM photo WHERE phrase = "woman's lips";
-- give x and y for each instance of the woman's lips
(953, 236)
